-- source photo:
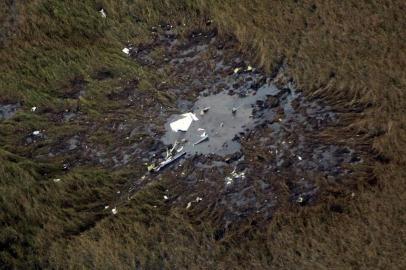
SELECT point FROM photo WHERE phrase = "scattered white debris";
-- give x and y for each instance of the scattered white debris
(203, 135)
(36, 133)
(233, 176)
(126, 51)
(250, 68)
(118, 192)
(56, 180)
(184, 123)
(299, 157)
(229, 180)
(236, 70)
(114, 211)
(198, 199)
(189, 204)
(33, 109)
(106, 207)
(102, 13)
(166, 197)
(234, 110)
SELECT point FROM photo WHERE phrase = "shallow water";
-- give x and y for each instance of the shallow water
(220, 123)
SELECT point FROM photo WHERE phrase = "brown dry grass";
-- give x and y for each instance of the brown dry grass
(350, 53)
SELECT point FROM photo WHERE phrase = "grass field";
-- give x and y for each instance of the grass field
(350, 54)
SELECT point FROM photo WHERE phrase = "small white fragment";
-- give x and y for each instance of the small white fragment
(189, 204)
(203, 135)
(184, 123)
(249, 68)
(114, 211)
(200, 129)
(236, 70)
(300, 199)
(180, 149)
(198, 199)
(106, 207)
(126, 51)
(36, 133)
(229, 180)
(299, 157)
(118, 192)
(166, 197)
(57, 180)
(102, 13)
(33, 109)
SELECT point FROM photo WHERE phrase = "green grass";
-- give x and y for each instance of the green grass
(350, 53)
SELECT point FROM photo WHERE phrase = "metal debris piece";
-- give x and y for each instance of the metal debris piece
(236, 70)
(204, 110)
(56, 180)
(249, 68)
(166, 197)
(36, 133)
(229, 180)
(184, 123)
(299, 157)
(106, 207)
(103, 13)
(126, 51)
(151, 167)
(33, 109)
(198, 199)
(234, 110)
(201, 140)
(189, 204)
(169, 161)
(233, 176)
(114, 211)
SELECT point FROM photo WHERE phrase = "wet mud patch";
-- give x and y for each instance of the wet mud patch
(8, 110)
(251, 142)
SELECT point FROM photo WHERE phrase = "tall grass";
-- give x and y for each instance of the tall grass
(351, 53)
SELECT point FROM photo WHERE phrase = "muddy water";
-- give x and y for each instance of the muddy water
(227, 117)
